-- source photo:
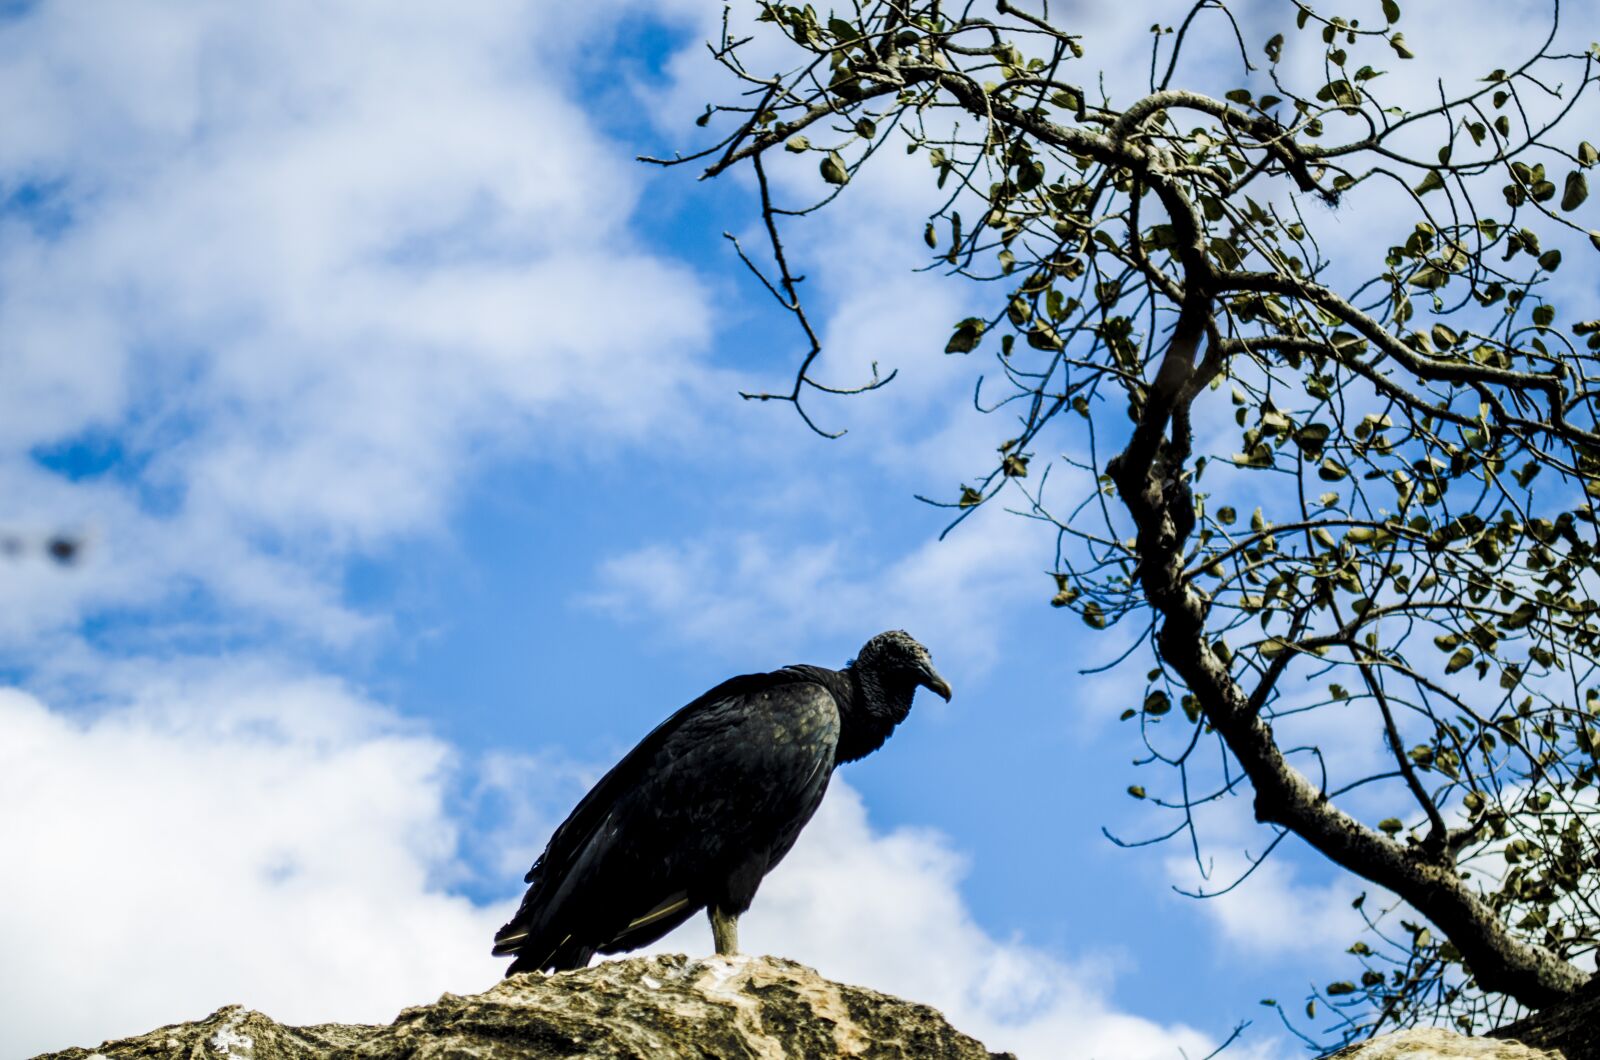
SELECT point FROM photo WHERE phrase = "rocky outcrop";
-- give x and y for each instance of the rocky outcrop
(721, 1008)
(1431, 1043)
(660, 1008)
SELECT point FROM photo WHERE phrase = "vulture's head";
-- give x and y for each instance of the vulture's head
(897, 659)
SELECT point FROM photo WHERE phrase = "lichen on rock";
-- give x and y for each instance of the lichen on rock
(1432, 1043)
(661, 1008)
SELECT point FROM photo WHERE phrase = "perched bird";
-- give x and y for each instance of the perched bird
(707, 805)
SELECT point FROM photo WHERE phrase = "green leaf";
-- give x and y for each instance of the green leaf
(1587, 154)
(1136, 791)
(1018, 311)
(1576, 190)
(966, 336)
(1391, 11)
(1312, 437)
(1157, 703)
(796, 144)
(1347, 344)
(833, 170)
(1389, 826)
(1550, 260)
(1341, 987)
(930, 236)
(1331, 470)
(1238, 95)
(1430, 278)
(865, 128)
(1339, 92)
(1044, 337)
(1398, 43)
(1459, 660)
(1543, 315)
(1594, 239)
(1431, 182)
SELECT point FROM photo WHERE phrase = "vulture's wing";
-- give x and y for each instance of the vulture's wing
(580, 824)
(575, 863)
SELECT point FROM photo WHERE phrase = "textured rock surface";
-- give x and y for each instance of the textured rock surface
(1434, 1044)
(649, 1008)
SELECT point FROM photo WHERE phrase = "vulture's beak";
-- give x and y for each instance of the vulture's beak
(934, 683)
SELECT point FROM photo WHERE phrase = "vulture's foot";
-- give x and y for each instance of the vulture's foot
(725, 932)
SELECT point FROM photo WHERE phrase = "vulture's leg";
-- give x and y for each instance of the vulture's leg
(725, 931)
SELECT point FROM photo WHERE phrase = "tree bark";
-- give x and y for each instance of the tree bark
(1150, 478)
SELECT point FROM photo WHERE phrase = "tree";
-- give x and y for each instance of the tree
(1416, 433)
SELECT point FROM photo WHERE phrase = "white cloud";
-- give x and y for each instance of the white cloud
(1253, 917)
(233, 835)
(767, 594)
(311, 261)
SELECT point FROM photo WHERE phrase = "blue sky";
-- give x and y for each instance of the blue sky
(398, 407)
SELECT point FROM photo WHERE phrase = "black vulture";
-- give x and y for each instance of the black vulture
(707, 805)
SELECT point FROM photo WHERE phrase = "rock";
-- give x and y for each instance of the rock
(1432, 1043)
(645, 1008)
